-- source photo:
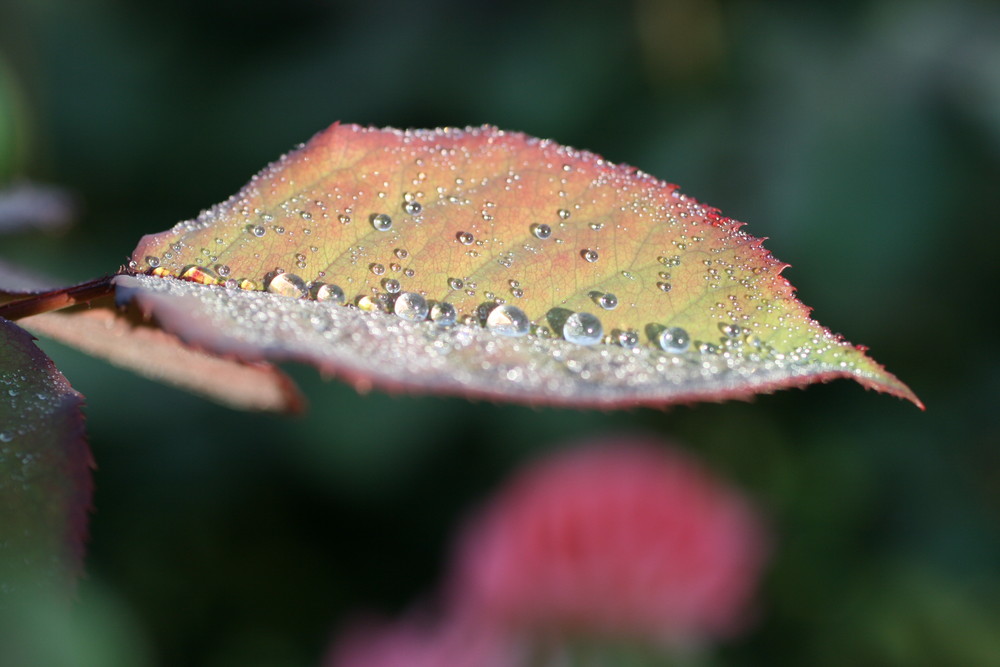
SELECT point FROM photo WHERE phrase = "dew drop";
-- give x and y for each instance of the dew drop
(258, 230)
(465, 238)
(412, 207)
(674, 340)
(327, 292)
(401, 253)
(455, 283)
(377, 269)
(153, 261)
(288, 284)
(410, 306)
(664, 287)
(381, 222)
(730, 330)
(444, 314)
(589, 255)
(344, 219)
(628, 339)
(541, 230)
(507, 320)
(583, 329)
(223, 270)
(391, 285)
(563, 214)
(607, 301)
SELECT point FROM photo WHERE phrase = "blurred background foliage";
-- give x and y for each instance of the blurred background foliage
(863, 137)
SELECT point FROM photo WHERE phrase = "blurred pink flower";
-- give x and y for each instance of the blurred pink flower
(622, 538)
(619, 538)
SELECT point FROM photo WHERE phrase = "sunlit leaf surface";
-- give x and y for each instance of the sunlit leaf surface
(571, 280)
(45, 482)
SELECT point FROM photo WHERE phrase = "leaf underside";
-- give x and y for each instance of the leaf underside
(480, 218)
(45, 469)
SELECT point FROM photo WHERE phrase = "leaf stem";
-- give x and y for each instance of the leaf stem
(56, 299)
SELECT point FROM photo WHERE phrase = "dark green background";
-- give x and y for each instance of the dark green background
(863, 138)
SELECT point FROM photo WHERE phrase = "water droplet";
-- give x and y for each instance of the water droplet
(455, 283)
(465, 238)
(6, 436)
(674, 340)
(563, 214)
(607, 301)
(507, 320)
(410, 306)
(391, 285)
(223, 270)
(197, 274)
(326, 292)
(589, 255)
(381, 222)
(541, 230)
(583, 329)
(730, 330)
(412, 207)
(258, 230)
(444, 314)
(377, 268)
(288, 284)
(628, 339)
(344, 219)
(664, 287)
(401, 253)
(597, 226)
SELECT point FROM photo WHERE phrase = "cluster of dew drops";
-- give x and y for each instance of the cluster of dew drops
(581, 328)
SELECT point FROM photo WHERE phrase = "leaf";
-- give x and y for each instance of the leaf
(157, 355)
(45, 469)
(688, 306)
(29, 206)
(152, 353)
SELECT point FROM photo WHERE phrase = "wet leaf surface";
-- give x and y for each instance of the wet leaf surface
(573, 281)
(45, 469)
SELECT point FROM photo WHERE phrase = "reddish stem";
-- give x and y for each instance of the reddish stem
(57, 299)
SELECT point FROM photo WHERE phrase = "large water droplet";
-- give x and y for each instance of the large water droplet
(465, 238)
(541, 231)
(153, 261)
(455, 283)
(326, 292)
(259, 230)
(507, 320)
(583, 329)
(288, 284)
(674, 340)
(391, 285)
(381, 222)
(412, 207)
(410, 306)
(444, 314)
